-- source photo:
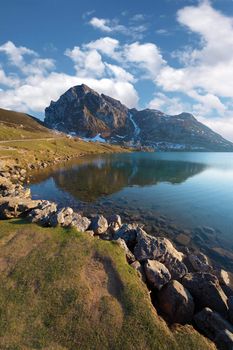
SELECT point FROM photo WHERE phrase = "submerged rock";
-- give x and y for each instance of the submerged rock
(156, 273)
(176, 303)
(206, 291)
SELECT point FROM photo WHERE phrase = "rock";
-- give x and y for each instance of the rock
(12, 207)
(224, 340)
(139, 268)
(157, 274)
(129, 256)
(99, 224)
(222, 276)
(81, 223)
(212, 324)
(206, 291)
(128, 232)
(176, 303)
(64, 216)
(43, 213)
(161, 249)
(114, 222)
(230, 306)
(199, 262)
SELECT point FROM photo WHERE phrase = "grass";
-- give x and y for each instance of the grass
(63, 290)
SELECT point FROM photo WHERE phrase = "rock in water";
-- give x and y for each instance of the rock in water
(157, 274)
(206, 291)
(176, 303)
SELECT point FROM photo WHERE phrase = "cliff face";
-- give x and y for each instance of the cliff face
(83, 112)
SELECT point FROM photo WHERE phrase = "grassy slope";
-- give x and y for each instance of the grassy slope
(66, 291)
(19, 126)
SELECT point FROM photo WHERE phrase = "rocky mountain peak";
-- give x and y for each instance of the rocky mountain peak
(85, 113)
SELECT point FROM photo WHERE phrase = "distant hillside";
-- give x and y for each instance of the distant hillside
(15, 125)
(84, 112)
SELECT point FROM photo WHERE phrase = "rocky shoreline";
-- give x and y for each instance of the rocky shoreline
(184, 287)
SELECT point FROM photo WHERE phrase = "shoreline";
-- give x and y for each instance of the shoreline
(167, 272)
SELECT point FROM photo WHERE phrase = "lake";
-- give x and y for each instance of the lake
(185, 196)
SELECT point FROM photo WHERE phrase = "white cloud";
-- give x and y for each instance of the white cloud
(16, 54)
(134, 30)
(100, 23)
(169, 105)
(87, 63)
(106, 45)
(120, 73)
(146, 56)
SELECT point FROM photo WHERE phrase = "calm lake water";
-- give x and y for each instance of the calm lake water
(186, 196)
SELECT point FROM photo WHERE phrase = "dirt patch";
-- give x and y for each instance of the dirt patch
(104, 291)
(17, 246)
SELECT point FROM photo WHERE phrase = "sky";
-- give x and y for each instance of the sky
(170, 55)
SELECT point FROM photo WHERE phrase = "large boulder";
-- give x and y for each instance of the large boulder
(62, 217)
(161, 249)
(81, 223)
(12, 207)
(43, 212)
(99, 224)
(199, 262)
(156, 273)
(128, 232)
(230, 306)
(224, 340)
(212, 325)
(176, 303)
(206, 291)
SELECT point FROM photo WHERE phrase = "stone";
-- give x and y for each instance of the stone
(156, 273)
(128, 232)
(206, 291)
(90, 233)
(81, 223)
(43, 212)
(222, 276)
(199, 262)
(176, 303)
(99, 224)
(230, 306)
(161, 249)
(224, 340)
(211, 323)
(114, 222)
(139, 268)
(12, 207)
(129, 255)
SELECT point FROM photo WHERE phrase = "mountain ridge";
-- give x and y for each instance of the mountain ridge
(83, 112)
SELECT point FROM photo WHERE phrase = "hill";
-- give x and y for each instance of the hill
(63, 290)
(84, 112)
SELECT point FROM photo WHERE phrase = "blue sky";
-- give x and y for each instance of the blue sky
(172, 55)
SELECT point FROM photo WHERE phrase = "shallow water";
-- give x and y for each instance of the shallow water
(166, 191)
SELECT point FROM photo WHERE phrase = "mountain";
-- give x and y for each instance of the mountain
(83, 112)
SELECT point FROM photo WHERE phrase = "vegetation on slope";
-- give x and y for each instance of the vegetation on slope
(67, 291)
